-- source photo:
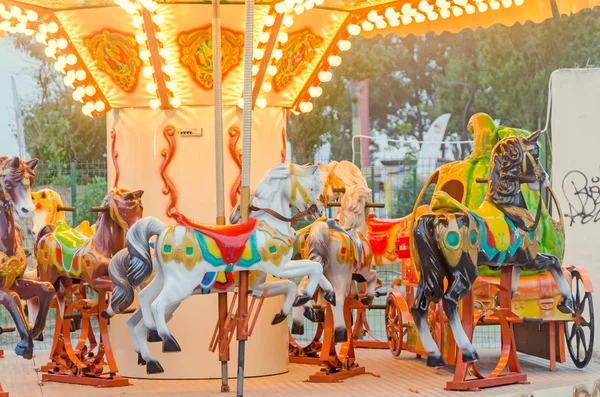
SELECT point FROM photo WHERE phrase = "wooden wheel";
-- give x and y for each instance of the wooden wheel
(435, 319)
(396, 327)
(579, 332)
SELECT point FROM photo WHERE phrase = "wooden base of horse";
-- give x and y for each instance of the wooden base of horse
(342, 365)
(308, 354)
(466, 375)
(83, 363)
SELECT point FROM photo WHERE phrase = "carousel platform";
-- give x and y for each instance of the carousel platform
(386, 376)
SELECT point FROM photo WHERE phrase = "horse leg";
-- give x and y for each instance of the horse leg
(11, 301)
(175, 289)
(275, 288)
(44, 292)
(371, 281)
(551, 263)
(459, 288)
(145, 298)
(419, 313)
(301, 268)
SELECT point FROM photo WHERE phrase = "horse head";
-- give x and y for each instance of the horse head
(123, 206)
(515, 160)
(337, 176)
(16, 179)
(47, 203)
(353, 207)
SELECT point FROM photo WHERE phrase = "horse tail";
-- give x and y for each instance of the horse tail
(122, 292)
(318, 244)
(131, 267)
(429, 258)
(46, 229)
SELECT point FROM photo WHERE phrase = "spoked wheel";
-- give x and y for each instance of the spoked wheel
(580, 331)
(396, 327)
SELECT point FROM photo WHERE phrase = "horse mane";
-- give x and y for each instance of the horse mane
(21, 171)
(352, 214)
(267, 187)
(505, 169)
(349, 174)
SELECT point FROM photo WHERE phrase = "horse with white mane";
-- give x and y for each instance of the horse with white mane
(186, 253)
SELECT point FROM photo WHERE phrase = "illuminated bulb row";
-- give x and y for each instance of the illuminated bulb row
(298, 6)
(21, 18)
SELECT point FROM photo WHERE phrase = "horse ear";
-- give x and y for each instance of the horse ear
(533, 137)
(15, 162)
(138, 194)
(32, 163)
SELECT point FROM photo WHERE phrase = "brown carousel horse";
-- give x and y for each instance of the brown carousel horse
(16, 179)
(64, 253)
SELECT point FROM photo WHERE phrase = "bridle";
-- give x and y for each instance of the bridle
(7, 202)
(297, 188)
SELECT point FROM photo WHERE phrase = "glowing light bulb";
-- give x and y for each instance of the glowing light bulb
(164, 53)
(461, 3)
(372, 16)
(144, 55)
(15, 11)
(315, 92)
(381, 24)
(140, 38)
(158, 19)
(68, 82)
(445, 13)
(470, 9)
(287, 21)
(519, 3)
(50, 51)
(261, 103)
(52, 44)
(299, 9)
(171, 85)
(32, 15)
(99, 106)
(90, 90)
(306, 107)
(263, 37)
(6, 15)
(154, 103)
(254, 70)
(282, 37)
(353, 29)
(62, 43)
(160, 36)
(43, 28)
(86, 111)
(259, 53)
(482, 7)
(52, 27)
(40, 37)
(494, 5)
(457, 11)
(394, 22)
(319, 2)
(408, 10)
(59, 67)
(151, 88)
(309, 4)
(240, 103)
(77, 96)
(334, 60)
(270, 20)
(277, 54)
(175, 102)
(137, 21)
(272, 70)
(80, 75)
(147, 71)
(344, 45)
(21, 28)
(267, 86)
(506, 3)
(169, 69)
(325, 76)
(367, 26)
(389, 13)
(2, 8)
(280, 8)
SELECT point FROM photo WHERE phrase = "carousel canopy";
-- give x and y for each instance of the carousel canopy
(131, 53)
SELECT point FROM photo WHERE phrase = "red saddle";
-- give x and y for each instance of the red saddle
(378, 232)
(231, 239)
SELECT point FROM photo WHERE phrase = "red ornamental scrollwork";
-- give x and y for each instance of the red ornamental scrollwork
(115, 156)
(168, 154)
(284, 148)
(236, 155)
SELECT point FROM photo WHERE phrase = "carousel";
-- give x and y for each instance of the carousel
(190, 91)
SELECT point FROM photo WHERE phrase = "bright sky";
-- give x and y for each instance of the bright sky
(14, 63)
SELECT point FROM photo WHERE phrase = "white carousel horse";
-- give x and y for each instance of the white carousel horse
(345, 254)
(187, 253)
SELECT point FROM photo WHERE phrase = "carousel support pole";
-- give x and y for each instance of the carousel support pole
(218, 104)
(242, 328)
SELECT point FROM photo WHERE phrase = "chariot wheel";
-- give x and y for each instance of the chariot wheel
(396, 327)
(579, 332)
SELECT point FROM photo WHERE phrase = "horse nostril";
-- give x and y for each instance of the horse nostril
(24, 210)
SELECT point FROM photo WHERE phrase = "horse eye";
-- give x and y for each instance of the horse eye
(8, 185)
(43, 195)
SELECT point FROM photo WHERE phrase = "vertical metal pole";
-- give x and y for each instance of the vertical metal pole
(218, 107)
(356, 130)
(73, 189)
(242, 328)
(373, 182)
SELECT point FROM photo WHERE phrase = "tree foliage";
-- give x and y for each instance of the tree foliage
(55, 129)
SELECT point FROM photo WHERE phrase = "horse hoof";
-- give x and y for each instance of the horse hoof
(279, 317)
(24, 351)
(330, 297)
(301, 300)
(566, 306)
(366, 300)
(340, 335)
(297, 329)
(469, 357)
(435, 361)
(170, 345)
(154, 367)
(39, 338)
(153, 336)
(309, 313)
(105, 314)
(141, 360)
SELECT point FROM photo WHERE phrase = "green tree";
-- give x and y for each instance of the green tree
(54, 127)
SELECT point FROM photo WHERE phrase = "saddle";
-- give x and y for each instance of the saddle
(230, 239)
(379, 231)
(69, 241)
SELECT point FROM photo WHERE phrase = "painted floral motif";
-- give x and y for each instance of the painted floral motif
(116, 54)
(276, 247)
(196, 53)
(298, 51)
